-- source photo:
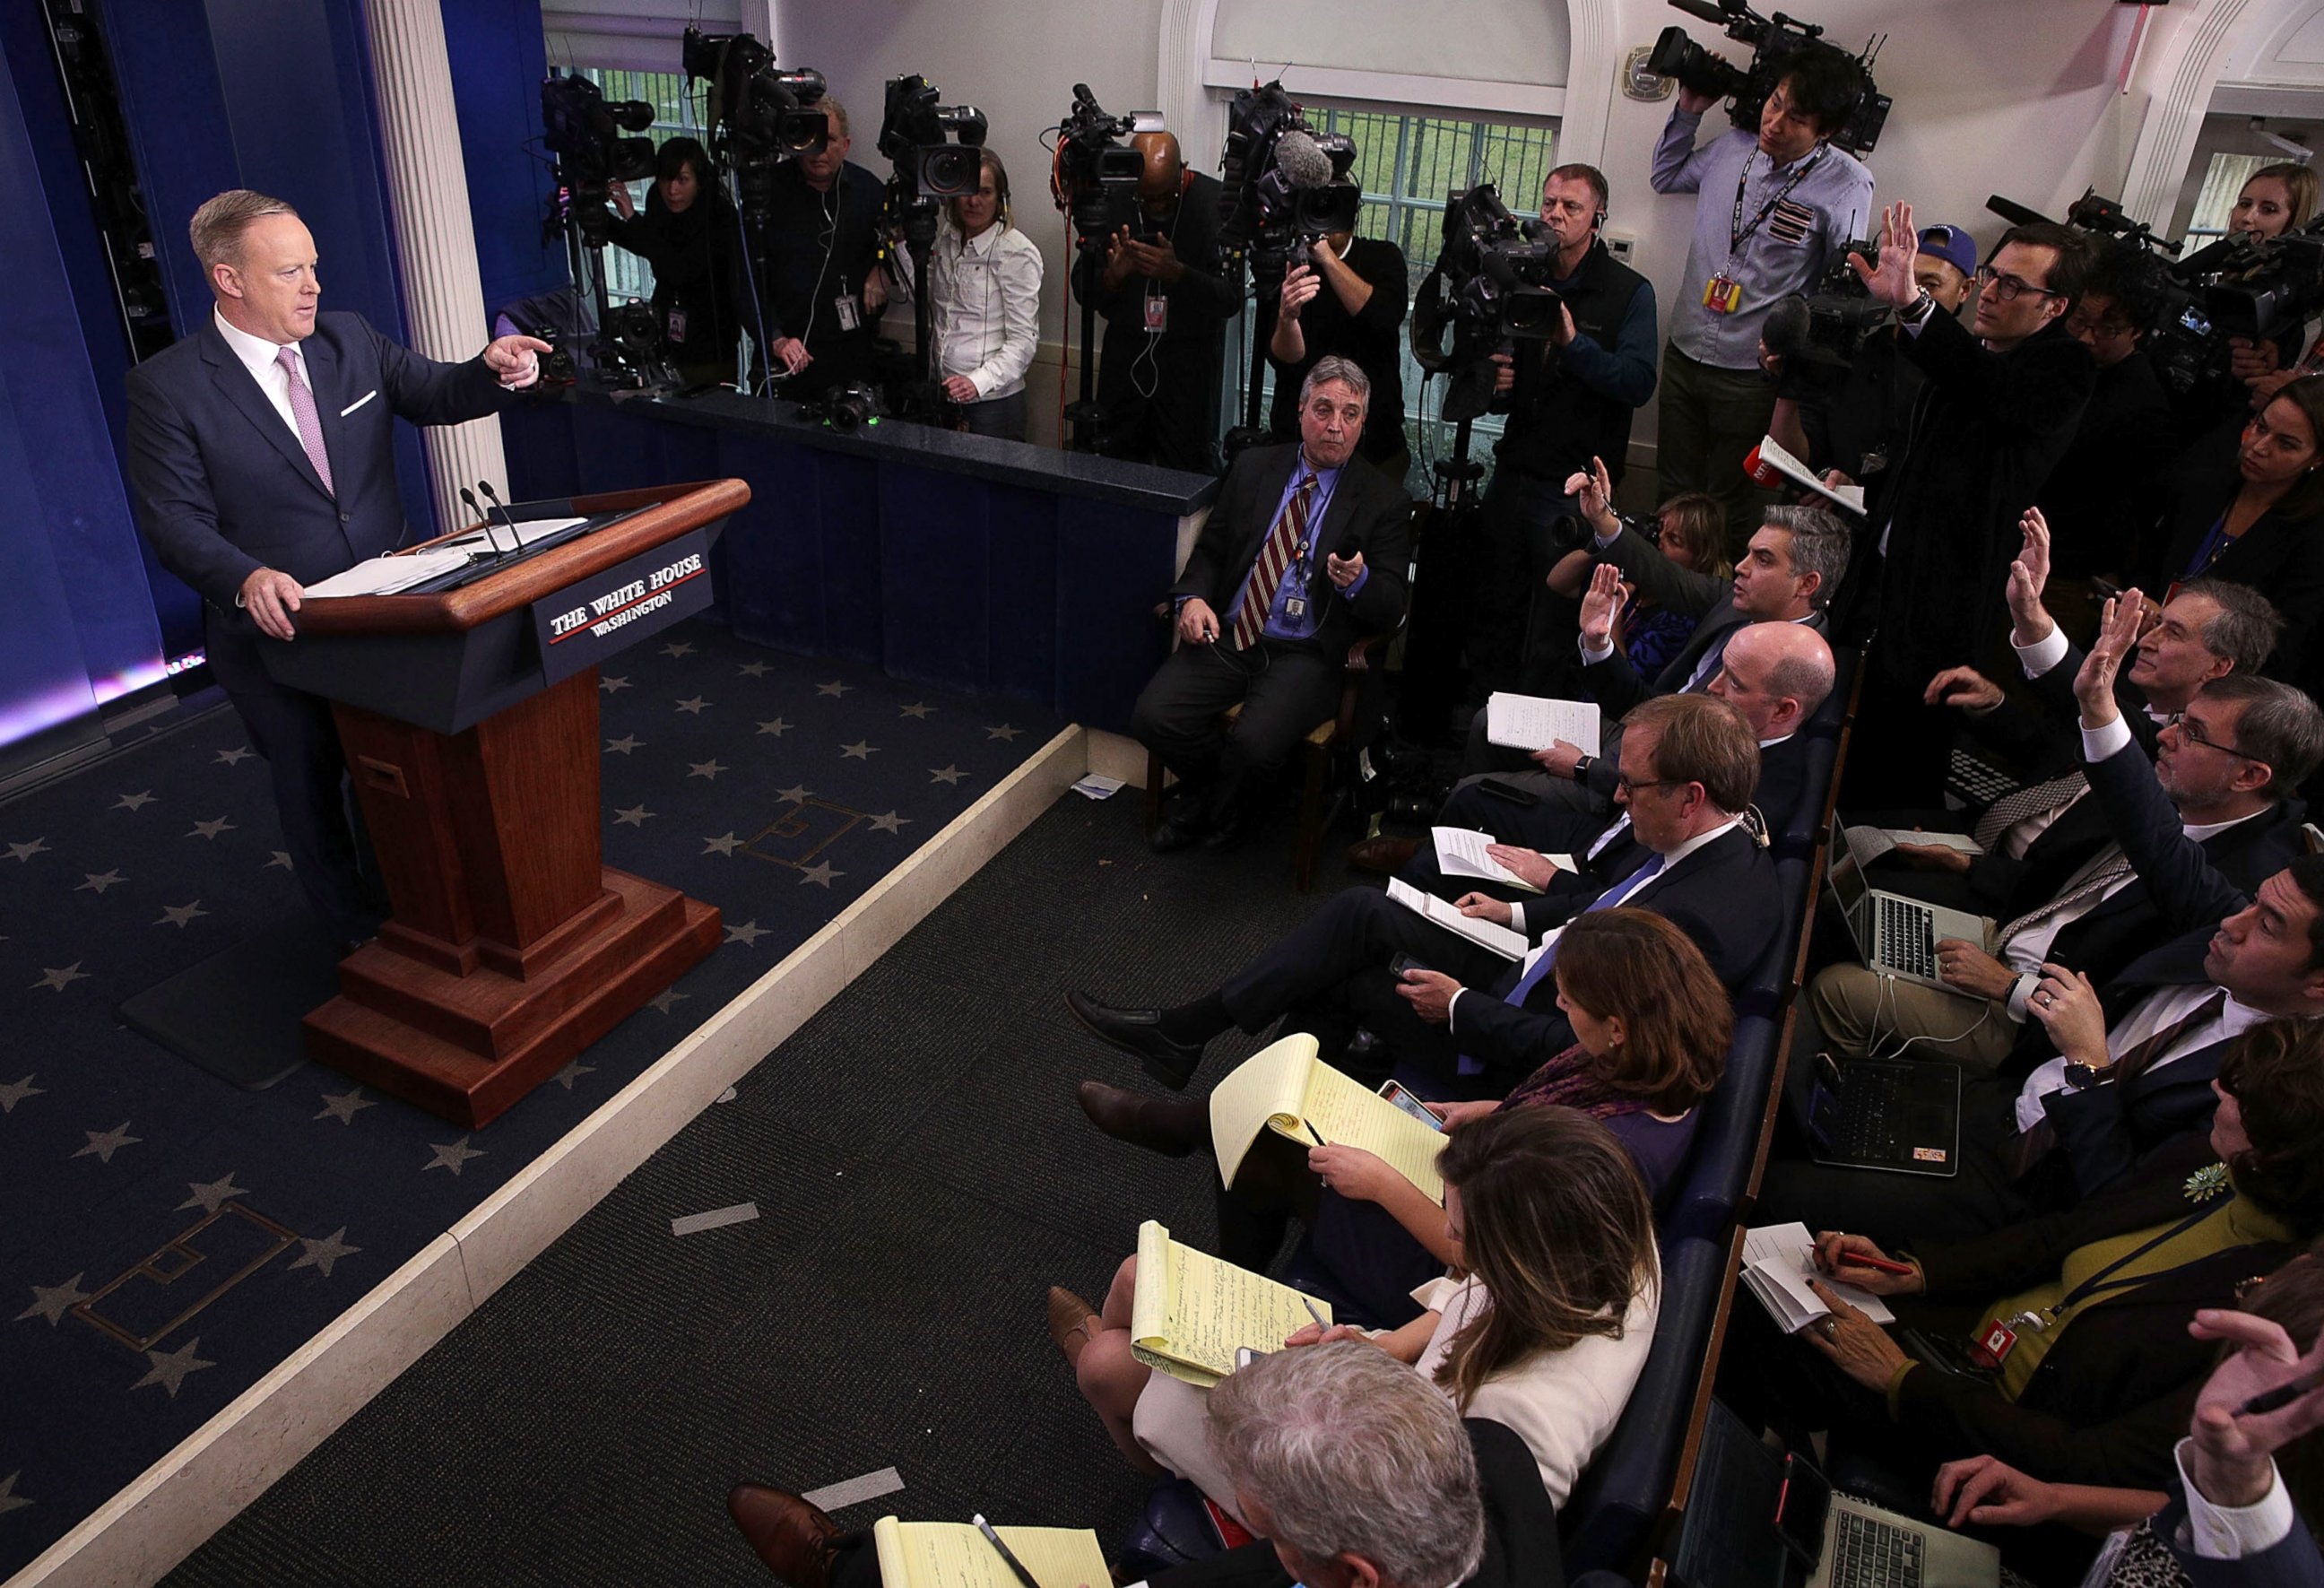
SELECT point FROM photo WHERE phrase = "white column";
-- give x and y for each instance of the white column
(434, 243)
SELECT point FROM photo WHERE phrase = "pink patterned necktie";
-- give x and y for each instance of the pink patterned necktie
(302, 410)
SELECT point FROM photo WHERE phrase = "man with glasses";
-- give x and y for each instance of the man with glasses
(2001, 404)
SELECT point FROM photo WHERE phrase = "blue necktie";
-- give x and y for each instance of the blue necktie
(1470, 1064)
(1708, 665)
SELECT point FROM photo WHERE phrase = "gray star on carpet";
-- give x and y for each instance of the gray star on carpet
(918, 708)
(281, 857)
(1004, 732)
(611, 685)
(59, 978)
(951, 775)
(622, 745)
(24, 852)
(572, 1073)
(177, 914)
(211, 829)
(836, 688)
(52, 1301)
(668, 998)
(889, 823)
(342, 1105)
(748, 934)
(450, 1155)
(234, 757)
(796, 794)
(777, 727)
(724, 845)
(169, 1367)
(693, 706)
(862, 750)
(134, 802)
(15, 1092)
(210, 1198)
(97, 882)
(679, 648)
(105, 1143)
(637, 816)
(820, 874)
(754, 670)
(704, 769)
(9, 1498)
(321, 1254)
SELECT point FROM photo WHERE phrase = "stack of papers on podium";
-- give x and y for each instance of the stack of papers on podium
(1776, 1270)
(502, 535)
(387, 576)
(1535, 722)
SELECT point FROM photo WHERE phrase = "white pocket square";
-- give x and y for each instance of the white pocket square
(358, 402)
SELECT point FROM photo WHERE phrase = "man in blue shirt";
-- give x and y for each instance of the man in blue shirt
(1302, 557)
(1776, 207)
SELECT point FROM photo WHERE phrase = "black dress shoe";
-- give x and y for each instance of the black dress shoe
(1138, 1033)
(1226, 834)
(1183, 826)
(797, 1542)
(1173, 1129)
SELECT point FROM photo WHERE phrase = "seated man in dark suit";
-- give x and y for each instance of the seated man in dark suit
(1304, 556)
(260, 456)
(1688, 767)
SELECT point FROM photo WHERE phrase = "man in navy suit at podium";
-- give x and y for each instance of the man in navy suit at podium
(261, 458)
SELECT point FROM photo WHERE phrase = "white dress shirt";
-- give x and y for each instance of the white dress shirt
(984, 298)
(258, 357)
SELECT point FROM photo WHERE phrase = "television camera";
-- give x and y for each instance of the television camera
(1490, 289)
(1776, 43)
(1094, 179)
(935, 153)
(583, 132)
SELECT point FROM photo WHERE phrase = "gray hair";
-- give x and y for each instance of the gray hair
(2280, 726)
(1352, 1452)
(1821, 545)
(2245, 629)
(831, 107)
(1333, 367)
(218, 226)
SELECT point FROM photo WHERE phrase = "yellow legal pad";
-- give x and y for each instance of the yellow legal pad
(954, 1554)
(1193, 1313)
(1284, 1088)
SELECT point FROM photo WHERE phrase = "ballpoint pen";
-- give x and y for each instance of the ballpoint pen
(1007, 1553)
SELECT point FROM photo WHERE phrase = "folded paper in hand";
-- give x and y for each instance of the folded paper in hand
(1461, 853)
(1776, 1270)
(1286, 1088)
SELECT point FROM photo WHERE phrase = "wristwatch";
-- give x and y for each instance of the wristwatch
(1917, 313)
(1581, 768)
(2081, 1078)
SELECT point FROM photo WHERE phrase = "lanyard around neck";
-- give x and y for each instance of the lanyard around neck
(1738, 234)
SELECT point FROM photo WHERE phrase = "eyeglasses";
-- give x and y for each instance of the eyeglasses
(2177, 721)
(1627, 790)
(2009, 289)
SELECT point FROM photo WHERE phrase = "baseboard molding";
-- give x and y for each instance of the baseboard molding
(146, 1530)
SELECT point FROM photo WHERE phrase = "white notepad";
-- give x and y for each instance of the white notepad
(1535, 722)
(1776, 1270)
(1484, 934)
(1461, 853)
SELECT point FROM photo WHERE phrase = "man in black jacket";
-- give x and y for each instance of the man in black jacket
(2000, 406)
(1165, 306)
(1304, 556)
(823, 290)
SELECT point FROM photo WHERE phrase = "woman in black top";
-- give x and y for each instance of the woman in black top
(687, 235)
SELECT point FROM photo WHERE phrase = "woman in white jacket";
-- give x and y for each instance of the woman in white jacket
(984, 298)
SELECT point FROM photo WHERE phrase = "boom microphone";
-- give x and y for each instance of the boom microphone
(1302, 161)
(2014, 213)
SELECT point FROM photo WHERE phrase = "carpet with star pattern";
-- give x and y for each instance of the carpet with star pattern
(171, 1238)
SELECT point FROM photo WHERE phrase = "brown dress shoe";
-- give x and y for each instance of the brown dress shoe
(1072, 1323)
(1172, 1127)
(1383, 855)
(797, 1541)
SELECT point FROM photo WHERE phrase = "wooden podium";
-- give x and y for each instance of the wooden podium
(511, 946)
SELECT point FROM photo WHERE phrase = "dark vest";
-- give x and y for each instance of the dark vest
(1556, 424)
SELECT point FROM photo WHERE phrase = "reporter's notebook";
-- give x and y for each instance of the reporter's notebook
(1193, 1313)
(954, 1554)
(1286, 1088)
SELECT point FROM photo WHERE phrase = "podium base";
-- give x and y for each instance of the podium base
(467, 1047)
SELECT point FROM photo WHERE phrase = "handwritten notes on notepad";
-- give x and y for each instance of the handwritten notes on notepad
(1193, 1313)
(954, 1554)
(1776, 1270)
(1286, 1088)
(1483, 933)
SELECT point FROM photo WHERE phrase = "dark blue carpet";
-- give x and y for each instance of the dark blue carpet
(215, 1229)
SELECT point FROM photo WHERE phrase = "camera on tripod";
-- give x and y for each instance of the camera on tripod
(1284, 184)
(1491, 289)
(583, 130)
(1778, 44)
(1095, 177)
(933, 147)
(757, 113)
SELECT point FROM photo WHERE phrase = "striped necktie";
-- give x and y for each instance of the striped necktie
(1282, 544)
(2102, 870)
(1469, 1064)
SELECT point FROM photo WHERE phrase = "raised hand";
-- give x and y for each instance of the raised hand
(2117, 635)
(1891, 280)
(1593, 490)
(1598, 606)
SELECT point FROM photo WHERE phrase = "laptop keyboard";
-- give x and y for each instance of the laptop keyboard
(1908, 942)
(1867, 1554)
(1867, 1122)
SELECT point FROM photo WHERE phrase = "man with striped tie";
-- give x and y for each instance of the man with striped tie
(1302, 557)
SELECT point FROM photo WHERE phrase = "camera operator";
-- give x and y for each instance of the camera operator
(1165, 306)
(687, 236)
(2276, 199)
(1347, 300)
(1774, 211)
(1569, 400)
(1999, 408)
(2103, 486)
(985, 295)
(823, 292)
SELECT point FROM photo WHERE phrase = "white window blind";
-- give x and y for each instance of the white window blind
(635, 35)
(1509, 59)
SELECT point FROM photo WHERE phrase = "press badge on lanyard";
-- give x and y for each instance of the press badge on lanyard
(1721, 295)
(850, 316)
(1296, 606)
(1157, 314)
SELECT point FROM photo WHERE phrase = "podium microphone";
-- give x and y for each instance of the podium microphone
(469, 500)
(507, 518)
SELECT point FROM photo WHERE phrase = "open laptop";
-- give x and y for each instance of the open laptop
(1895, 934)
(1899, 1114)
(1757, 1519)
